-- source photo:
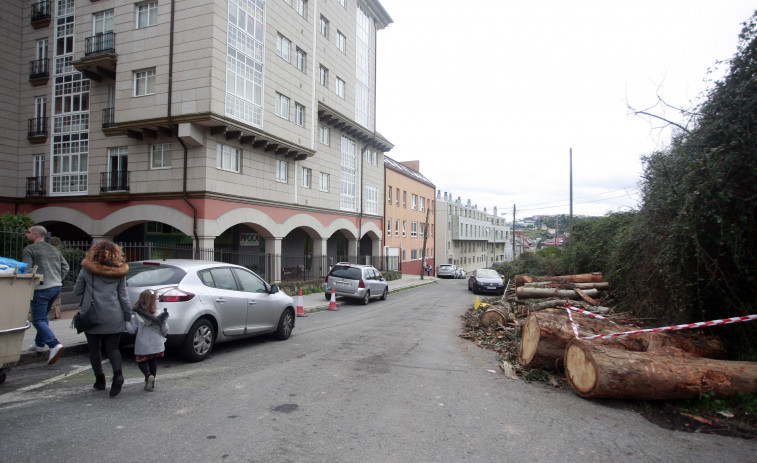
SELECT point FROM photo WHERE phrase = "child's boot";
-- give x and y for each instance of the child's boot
(150, 383)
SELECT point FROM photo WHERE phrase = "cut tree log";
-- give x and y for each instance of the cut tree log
(542, 293)
(520, 280)
(549, 304)
(595, 277)
(555, 284)
(546, 334)
(604, 371)
(586, 297)
(495, 316)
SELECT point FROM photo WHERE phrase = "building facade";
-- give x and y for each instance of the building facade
(470, 238)
(409, 218)
(239, 124)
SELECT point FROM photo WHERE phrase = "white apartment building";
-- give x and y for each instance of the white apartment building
(468, 237)
(246, 125)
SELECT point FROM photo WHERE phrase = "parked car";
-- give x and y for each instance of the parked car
(210, 302)
(485, 280)
(355, 281)
(446, 271)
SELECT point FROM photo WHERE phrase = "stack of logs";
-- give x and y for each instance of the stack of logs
(648, 366)
(555, 291)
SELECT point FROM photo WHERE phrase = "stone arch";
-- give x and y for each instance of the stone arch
(69, 215)
(127, 217)
(241, 215)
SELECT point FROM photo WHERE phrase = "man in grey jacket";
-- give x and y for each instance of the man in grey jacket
(53, 267)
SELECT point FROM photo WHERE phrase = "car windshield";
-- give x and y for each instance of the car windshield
(445, 267)
(350, 273)
(153, 274)
(486, 273)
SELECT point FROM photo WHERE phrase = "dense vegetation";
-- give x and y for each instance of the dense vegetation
(688, 253)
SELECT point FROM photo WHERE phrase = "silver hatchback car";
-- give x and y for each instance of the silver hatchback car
(211, 302)
(354, 281)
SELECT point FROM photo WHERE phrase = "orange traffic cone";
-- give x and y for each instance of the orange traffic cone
(300, 308)
(332, 304)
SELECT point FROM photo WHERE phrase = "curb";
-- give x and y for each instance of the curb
(40, 357)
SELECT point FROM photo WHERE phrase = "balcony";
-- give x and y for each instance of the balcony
(109, 118)
(36, 186)
(39, 72)
(37, 132)
(100, 57)
(41, 14)
(117, 181)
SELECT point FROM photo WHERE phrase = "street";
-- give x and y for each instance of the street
(386, 382)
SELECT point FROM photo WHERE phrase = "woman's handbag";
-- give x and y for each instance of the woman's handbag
(83, 321)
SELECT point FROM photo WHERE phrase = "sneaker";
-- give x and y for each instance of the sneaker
(150, 383)
(35, 348)
(55, 353)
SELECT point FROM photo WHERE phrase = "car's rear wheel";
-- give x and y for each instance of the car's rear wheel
(286, 324)
(199, 341)
(383, 295)
(366, 298)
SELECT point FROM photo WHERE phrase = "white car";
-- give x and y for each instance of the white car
(211, 302)
(446, 271)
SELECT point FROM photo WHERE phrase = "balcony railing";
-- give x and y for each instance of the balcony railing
(109, 118)
(41, 14)
(39, 69)
(36, 186)
(37, 127)
(114, 181)
(100, 43)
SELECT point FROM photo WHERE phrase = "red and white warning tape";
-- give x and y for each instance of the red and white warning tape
(685, 326)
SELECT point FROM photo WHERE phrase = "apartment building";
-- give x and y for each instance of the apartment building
(409, 216)
(235, 124)
(468, 237)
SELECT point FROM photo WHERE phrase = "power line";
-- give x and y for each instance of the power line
(582, 202)
(581, 197)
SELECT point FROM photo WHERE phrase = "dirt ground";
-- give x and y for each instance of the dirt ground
(672, 415)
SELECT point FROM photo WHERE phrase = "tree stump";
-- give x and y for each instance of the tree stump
(606, 371)
(495, 316)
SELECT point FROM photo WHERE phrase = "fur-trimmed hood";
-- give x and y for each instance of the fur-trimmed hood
(147, 316)
(105, 270)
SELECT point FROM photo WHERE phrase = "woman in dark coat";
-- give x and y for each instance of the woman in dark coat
(102, 279)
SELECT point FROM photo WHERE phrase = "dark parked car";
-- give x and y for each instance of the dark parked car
(354, 281)
(211, 302)
(486, 280)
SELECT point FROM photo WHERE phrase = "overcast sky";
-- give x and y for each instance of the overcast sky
(490, 96)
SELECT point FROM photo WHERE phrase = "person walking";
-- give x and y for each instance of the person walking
(53, 267)
(151, 331)
(103, 286)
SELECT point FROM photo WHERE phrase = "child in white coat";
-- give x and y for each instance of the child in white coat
(151, 333)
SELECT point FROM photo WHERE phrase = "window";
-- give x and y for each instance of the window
(323, 76)
(388, 227)
(348, 175)
(413, 229)
(324, 27)
(340, 87)
(389, 195)
(404, 199)
(306, 176)
(325, 133)
(397, 198)
(404, 228)
(160, 156)
(144, 82)
(299, 115)
(413, 254)
(302, 8)
(371, 199)
(282, 106)
(102, 22)
(341, 2)
(324, 181)
(423, 227)
(423, 204)
(281, 171)
(228, 158)
(341, 42)
(374, 158)
(301, 60)
(414, 202)
(283, 47)
(147, 14)
(397, 227)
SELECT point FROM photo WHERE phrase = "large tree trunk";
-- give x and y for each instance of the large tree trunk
(526, 293)
(595, 277)
(545, 335)
(553, 284)
(596, 370)
(495, 316)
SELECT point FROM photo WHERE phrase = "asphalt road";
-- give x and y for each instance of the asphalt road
(387, 382)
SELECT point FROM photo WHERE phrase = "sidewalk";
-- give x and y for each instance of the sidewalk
(77, 343)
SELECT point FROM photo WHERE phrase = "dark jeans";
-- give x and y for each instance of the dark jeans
(41, 303)
(107, 343)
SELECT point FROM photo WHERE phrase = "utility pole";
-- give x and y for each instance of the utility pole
(513, 232)
(425, 238)
(570, 224)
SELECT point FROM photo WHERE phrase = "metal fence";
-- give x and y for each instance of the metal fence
(301, 267)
